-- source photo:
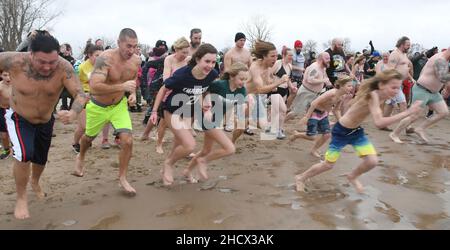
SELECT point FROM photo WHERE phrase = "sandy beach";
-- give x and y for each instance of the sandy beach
(254, 189)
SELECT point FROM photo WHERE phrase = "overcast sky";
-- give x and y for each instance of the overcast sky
(383, 21)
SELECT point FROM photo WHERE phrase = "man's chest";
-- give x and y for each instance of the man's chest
(122, 73)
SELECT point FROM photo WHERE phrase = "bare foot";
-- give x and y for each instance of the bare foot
(422, 135)
(316, 154)
(295, 136)
(145, 138)
(202, 168)
(37, 189)
(189, 176)
(21, 211)
(300, 184)
(356, 184)
(395, 138)
(159, 149)
(79, 168)
(410, 131)
(167, 174)
(123, 183)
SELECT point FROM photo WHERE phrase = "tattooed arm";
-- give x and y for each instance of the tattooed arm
(73, 85)
(393, 61)
(6, 60)
(314, 77)
(100, 75)
(441, 68)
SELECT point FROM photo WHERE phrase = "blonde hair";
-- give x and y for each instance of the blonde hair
(234, 70)
(373, 83)
(342, 81)
(181, 43)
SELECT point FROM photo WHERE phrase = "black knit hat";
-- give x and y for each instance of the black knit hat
(239, 36)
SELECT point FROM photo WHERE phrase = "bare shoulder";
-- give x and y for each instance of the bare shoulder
(374, 98)
(65, 68)
(169, 59)
(136, 60)
(11, 60)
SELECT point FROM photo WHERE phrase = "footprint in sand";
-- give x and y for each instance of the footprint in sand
(388, 210)
(176, 211)
(106, 223)
(86, 202)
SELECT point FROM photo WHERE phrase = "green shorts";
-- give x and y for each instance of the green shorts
(420, 93)
(98, 115)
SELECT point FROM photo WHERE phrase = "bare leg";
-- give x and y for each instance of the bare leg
(441, 111)
(290, 100)
(311, 172)
(21, 175)
(146, 135)
(184, 144)
(401, 127)
(237, 133)
(161, 133)
(80, 130)
(36, 172)
(207, 155)
(84, 146)
(369, 162)
(387, 112)
(319, 143)
(105, 132)
(298, 135)
(125, 154)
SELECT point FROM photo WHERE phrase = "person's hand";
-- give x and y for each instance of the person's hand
(66, 117)
(415, 108)
(294, 90)
(328, 83)
(284, 79)
(154, 118)
(129, 86)
(371, 43)
(132, 100)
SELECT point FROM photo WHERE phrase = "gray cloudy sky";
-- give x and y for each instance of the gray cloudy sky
(383, 21)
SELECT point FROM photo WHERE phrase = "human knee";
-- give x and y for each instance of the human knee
(189, 145)
(126, 141)
(372, 161)
(230, 149)
(328, 166)
(444, 113)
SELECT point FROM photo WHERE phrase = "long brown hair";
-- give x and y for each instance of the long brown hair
(262, 49)
(201, 52)
(372, 84)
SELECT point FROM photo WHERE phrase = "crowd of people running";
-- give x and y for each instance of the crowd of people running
(191, 88)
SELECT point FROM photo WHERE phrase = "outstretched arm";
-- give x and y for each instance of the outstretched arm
(381, 121)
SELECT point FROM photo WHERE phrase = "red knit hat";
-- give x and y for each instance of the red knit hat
(298, 43)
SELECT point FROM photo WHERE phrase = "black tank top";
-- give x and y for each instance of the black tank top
(281, 72)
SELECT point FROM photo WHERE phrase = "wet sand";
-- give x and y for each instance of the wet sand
(254, 189)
